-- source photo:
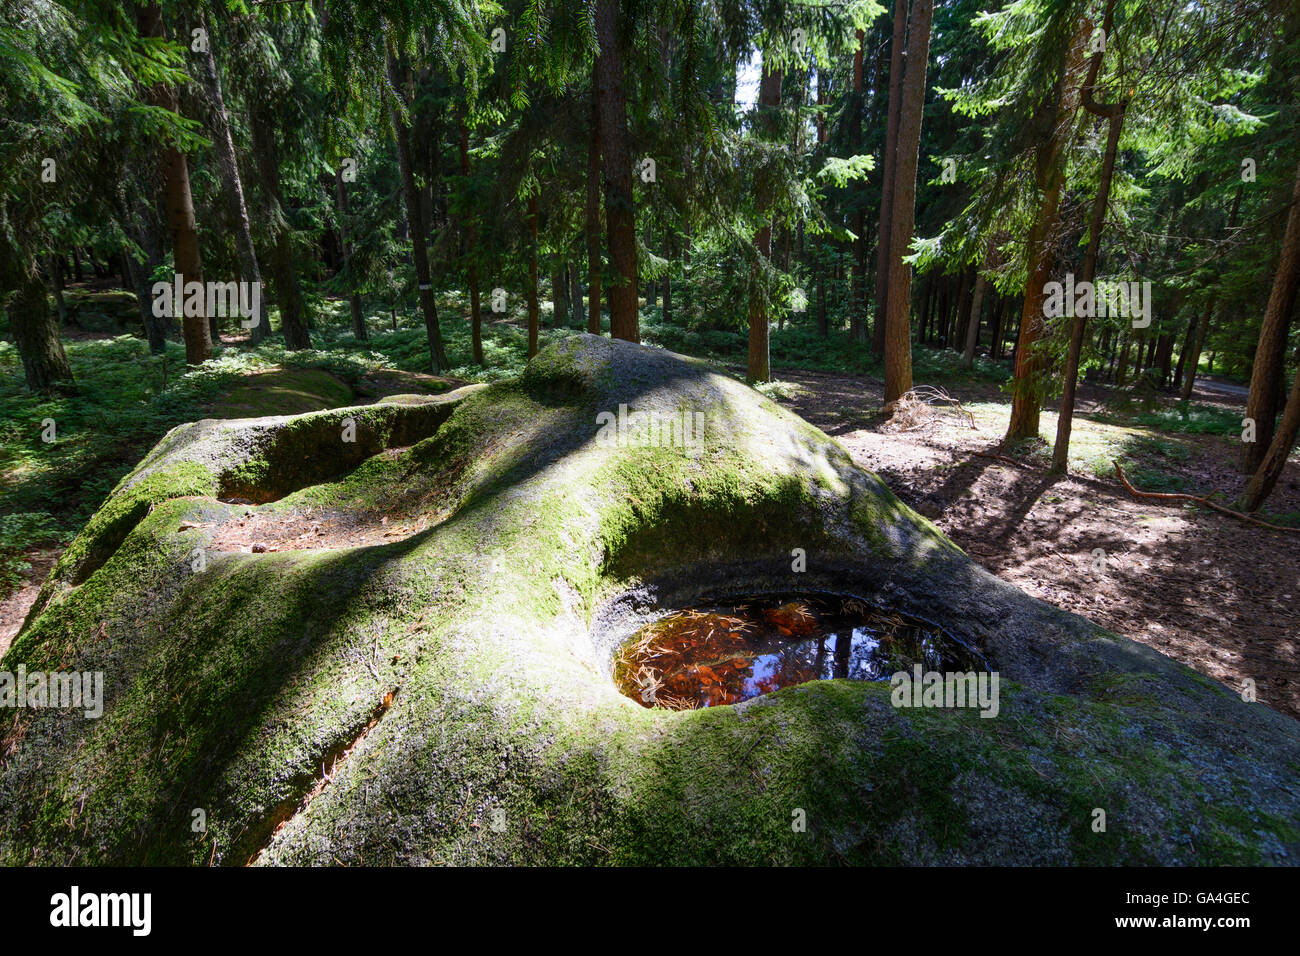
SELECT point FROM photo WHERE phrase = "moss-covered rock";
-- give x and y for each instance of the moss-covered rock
(446, 697)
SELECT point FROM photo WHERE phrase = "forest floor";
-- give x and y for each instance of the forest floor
(1215, 593)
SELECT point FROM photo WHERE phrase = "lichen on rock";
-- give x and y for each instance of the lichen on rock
(446, 697)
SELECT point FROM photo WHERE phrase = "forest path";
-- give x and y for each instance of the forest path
(1187, 582)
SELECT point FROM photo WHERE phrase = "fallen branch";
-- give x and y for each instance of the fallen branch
(921, 407)
(1173, 496)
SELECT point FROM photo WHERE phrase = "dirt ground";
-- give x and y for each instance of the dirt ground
(14, 608)
(1216, 593)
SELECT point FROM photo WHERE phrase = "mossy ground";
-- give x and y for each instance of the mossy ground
(284, 391)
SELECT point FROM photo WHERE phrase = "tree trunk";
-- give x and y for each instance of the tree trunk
(616, 168)
(1188, 339)
(419, 250)
(534, 310)
(857, 284)
(345, 246)
(1121, 370)
(593, 220)
(1203, 328)
(898, 313)
(973, 324)
(1027, 385)
(927, 304)
(887, 186)
(232, 187)
(1197, 339)
(471, 251)
(995, 327)
(576, 286)
(1270, 354)
(56, 286)
(144, 230)
(650, 285)
(668, 276)
(179, 205)
(819, 270)
(956, 328)
(1164, 356)
(1065, 420)
(283, 261)
(1274, 459)
(759, 367)
(560, 294)
(35, 330)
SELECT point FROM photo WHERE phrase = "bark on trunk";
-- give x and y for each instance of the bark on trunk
(560, 295)
(1027, 385)
(759, 367)
(956, 329)
(283, 261)
(471, 247)
(576, 285)
(178, 203)
(1270, 354)
(668, 277)
(232, 187)
(887, 187)
(35, 329)
(56, 286)
(345, 246)
(898, 312)
(1275, 457)
(973, 324)
(1065, 420)
(534, 310)
(593, 219)
(616, 169)
(857, 285)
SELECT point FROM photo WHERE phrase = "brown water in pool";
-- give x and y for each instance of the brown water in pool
(723, 654)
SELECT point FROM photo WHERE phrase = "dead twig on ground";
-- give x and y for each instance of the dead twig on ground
(921, 407)
(1176, 496)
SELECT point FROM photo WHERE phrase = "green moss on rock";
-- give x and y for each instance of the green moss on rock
(446, 697)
